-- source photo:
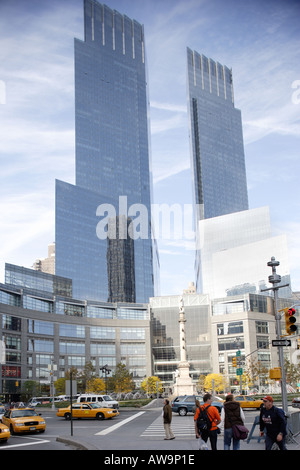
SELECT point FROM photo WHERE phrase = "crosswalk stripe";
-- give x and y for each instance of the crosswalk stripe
(121, 423)
(182, 426)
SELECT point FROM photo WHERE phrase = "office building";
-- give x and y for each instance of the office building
(112, 163)
(214, 331)
(40, 324)
(46, 265)
(246, 323)
(37, 281)
(217, 148)
(233, 243)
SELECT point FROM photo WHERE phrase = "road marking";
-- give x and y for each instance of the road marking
(10, 446)
(118, 425)
(182, 426)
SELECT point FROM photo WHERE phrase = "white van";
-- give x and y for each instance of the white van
(105, 400)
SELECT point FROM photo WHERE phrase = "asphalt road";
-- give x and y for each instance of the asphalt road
(132, 430)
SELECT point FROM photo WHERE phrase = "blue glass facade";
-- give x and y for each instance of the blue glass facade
(218, 162)
(39, 325)
(112, 160)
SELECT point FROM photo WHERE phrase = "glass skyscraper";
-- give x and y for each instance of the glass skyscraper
(218, 161)
(112, 162)
(233, 243)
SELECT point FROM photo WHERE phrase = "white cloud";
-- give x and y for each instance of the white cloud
(169, 107)
(164, 125)
(37, 121)
(27, 216)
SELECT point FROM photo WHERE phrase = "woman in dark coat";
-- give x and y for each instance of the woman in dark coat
(231, 414)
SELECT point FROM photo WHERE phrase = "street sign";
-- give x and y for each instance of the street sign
(281, 342)
(68, 387)
(238, 353)
(239, 371)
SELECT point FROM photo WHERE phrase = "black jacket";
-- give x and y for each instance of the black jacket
(272, 421)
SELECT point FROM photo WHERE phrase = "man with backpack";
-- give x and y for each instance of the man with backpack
(272, 421)
(206, 420)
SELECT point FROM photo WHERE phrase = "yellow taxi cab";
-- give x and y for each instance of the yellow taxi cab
(4, 433)
(87, 410)
(249, 401)
(21, 420)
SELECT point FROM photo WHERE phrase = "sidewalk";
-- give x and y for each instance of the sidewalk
(173, 446)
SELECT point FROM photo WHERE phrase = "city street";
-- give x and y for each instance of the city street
(133, 430)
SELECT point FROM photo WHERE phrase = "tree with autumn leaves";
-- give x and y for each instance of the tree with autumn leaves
(212, 382)
(120, 382)
(150, 384)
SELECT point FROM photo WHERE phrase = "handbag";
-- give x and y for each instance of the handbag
(240, 432)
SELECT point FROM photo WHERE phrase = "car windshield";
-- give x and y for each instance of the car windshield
(23, 413)
(95, 405)
(178, 399)
(107, 398)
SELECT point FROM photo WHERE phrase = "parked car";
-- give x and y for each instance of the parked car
(87, 410)
(249, 401)
(187, 404)
(296, 402)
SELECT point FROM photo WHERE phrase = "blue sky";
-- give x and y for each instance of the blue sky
(259, 40)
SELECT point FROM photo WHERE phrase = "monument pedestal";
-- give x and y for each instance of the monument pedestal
(183, 384)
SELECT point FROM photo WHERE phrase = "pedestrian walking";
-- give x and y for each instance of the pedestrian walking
(272, 422)
(231, 415)
(206, 421)
(167, 419)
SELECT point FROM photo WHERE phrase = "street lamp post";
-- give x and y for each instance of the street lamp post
(106, 371)
(275, 279)
(52, 367)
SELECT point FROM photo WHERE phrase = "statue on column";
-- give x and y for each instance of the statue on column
(183, 384)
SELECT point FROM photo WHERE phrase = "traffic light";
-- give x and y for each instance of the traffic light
(234, 362)
(290, 320)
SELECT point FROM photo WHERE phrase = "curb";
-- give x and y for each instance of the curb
(78, 444)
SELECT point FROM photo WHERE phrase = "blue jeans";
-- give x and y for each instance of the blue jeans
(227, 440)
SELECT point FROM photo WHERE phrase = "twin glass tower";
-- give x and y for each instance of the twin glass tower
(218, 162)
(112, 161)
(233, 243)
(113, 168)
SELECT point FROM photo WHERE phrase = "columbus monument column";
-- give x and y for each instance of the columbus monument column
(183, 384)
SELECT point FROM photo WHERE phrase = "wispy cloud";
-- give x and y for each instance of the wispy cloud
(37, 121)
(169, 107)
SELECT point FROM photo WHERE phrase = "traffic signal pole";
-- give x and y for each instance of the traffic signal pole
(275, 279)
